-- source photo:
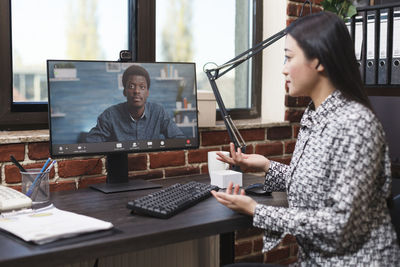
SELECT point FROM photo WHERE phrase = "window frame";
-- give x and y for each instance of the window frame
(141, 41)
(30, 116)
(255, 110)
(256, 75)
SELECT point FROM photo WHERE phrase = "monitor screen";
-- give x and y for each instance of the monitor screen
(111, 107)
(104, 107)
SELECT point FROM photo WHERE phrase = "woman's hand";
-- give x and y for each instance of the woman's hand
(237, 202)
(255, 161)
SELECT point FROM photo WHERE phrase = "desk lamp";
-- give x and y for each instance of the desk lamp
(214, 73)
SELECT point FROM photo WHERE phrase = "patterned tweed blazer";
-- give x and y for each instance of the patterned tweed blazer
(337, 184)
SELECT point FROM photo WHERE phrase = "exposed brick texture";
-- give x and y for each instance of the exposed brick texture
(221, 137)
(288, 22)
(293, 115)
(294, 248)
(277, 254)
(86, 182)
(13, 175)
(269, 149)
(243, 248)
(253, 134)
(249, 148)
(17, 150)
(284, 160)
(289, 146)
(296, 129)
(292, 9)
(295, 9)
(181, 171)
(288, 239)
(214, 138)
(166, 159)
(71, 168)
(278, 133)
(38, 151)
(258, 244)
(204, 168)
(147, 175)
(197, 156)
(16, 187)
(62, 185)
(137, 162)
(73, 173)
(296, 102)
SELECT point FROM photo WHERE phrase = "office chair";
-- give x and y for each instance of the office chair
(395, 214)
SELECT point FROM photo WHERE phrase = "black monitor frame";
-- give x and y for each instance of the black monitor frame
(117, 161)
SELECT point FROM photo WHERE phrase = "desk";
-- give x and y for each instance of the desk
(131, 232)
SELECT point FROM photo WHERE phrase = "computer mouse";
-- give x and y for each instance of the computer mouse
(256, 189)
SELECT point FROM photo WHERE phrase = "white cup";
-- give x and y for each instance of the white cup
(214, 164)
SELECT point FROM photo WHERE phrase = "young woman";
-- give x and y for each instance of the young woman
(339, 177)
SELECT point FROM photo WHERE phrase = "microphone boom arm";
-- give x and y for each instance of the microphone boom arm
(214, 73)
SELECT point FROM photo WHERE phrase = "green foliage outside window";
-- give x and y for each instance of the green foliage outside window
(343, 8)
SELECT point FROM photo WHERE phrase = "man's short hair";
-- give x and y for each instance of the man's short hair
(138, 71)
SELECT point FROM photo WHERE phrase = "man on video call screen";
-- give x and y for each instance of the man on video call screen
(135, 119)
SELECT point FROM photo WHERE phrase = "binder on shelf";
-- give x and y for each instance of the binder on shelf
(383, 57)
(395, 75)
(370, 66)
(358, 41)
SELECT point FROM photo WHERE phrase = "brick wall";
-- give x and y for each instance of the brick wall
(275, 141)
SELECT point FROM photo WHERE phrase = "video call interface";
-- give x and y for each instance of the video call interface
(94, 106)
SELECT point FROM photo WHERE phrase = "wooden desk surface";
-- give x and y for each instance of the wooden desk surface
(131, 232)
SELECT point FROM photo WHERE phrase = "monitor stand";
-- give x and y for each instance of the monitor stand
(117, 176)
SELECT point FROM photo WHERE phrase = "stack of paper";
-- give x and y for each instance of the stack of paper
(49, 224)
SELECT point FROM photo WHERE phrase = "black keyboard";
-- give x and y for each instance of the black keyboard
(171, 200)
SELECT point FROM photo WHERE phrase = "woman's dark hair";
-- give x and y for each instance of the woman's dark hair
(135, 70)
(325, 36)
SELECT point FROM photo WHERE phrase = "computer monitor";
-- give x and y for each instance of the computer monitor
(114, 108)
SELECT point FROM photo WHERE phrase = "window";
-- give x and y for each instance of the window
(67, 29)
(30, 107)
(203, 31)
(34, 31)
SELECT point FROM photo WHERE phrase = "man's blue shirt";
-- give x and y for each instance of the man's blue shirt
(116, 124)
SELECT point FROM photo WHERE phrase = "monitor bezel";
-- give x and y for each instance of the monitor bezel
(195, 145)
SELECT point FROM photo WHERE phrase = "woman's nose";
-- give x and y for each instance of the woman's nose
(284, 70)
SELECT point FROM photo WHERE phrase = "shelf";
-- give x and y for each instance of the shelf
(190, 124)
(64, 79)
(169, 79)
(58, 115)
(185, 109)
